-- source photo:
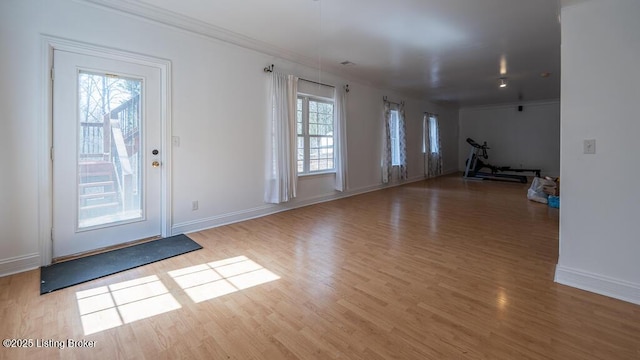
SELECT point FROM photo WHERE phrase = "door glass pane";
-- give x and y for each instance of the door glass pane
(109, 150)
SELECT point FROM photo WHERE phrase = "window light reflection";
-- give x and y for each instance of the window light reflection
(110, 306)
(502, 300)
(218, 278)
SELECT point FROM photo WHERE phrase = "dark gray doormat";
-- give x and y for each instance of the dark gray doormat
(64, 274)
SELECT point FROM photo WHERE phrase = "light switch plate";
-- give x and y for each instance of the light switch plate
(590, 146)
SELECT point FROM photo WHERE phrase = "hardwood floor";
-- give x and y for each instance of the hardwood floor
(440, 269)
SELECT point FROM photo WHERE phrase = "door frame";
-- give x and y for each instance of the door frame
(45, 132)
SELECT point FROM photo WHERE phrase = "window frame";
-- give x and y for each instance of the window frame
(306, 98)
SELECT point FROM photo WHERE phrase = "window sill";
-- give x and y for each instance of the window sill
(328, 172)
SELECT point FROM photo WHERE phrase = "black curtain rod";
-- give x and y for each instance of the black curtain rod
(270, 69)
(315, 82)
(391, 102)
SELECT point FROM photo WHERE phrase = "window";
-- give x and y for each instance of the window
(314, 118)
(433, 135)
(430, 134)
(394, 127)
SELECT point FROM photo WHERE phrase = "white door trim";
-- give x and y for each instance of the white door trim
(45, 132)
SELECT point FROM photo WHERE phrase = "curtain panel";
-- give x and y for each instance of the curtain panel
(402, 140)
(340, 135)
(385, 162)
(281, 170)
(431, 146)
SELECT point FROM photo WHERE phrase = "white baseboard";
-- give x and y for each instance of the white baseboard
(19, 264)
(248, 214)
(32, 261)
(219, 220)
(599, 284)
(268, 209)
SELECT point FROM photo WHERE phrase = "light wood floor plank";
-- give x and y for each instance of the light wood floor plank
(439, 269)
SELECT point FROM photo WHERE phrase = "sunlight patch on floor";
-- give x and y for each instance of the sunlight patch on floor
(110, 306)
(218, 278)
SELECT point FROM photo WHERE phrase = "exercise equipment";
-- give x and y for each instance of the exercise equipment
(475, 166)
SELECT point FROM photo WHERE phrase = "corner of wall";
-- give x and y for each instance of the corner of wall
(603, 285)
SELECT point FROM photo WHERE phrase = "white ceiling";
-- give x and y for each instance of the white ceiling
(439, 50)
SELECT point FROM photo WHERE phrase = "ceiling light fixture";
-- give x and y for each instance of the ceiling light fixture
(503, 65)
(503, 82)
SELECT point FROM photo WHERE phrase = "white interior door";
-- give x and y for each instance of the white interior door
(106, 152)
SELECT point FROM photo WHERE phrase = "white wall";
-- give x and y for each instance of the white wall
(600, 197)
(218, 110)
(520, 139)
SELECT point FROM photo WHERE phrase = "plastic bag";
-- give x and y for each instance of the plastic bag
(536, 191)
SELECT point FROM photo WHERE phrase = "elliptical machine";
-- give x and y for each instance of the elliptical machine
(475, 165)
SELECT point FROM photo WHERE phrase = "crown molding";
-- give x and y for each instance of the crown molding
(175, 20)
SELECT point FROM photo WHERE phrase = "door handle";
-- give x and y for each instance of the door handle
(155, 163)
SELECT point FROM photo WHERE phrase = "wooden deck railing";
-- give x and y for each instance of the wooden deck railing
(113, 140)
(94, 145)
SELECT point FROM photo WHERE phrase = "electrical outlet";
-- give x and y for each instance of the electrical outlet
(590, 146)
(194, 205)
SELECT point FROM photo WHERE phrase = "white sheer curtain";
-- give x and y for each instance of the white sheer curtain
(402, 142)
(431, 146)
(385, 161)
(340, 138)
(281, 174)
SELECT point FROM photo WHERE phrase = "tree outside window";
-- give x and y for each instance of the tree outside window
(314, 123)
